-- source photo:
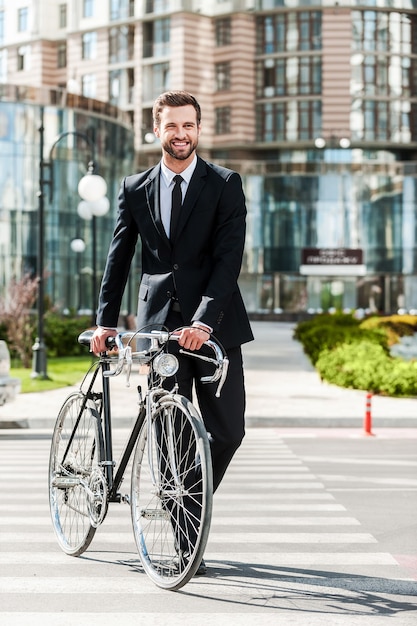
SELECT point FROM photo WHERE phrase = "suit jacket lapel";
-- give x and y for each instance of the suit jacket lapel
(152, 196)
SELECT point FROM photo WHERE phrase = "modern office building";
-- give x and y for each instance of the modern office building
(314, 103)
(74, 134)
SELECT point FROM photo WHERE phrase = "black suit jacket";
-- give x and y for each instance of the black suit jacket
(200, 268)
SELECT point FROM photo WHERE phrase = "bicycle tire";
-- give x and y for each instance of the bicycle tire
(75, 510)
(172, 492)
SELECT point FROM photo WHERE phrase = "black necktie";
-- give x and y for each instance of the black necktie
(175, 206)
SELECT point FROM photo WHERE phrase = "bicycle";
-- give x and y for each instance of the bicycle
(171, 480)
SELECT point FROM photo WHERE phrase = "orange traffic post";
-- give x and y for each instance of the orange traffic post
(367, 426)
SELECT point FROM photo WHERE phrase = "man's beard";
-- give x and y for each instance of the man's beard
(181, 156)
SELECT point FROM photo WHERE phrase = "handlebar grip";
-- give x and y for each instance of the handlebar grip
(110, 342)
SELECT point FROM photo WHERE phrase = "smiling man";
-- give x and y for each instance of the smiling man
(190, 265)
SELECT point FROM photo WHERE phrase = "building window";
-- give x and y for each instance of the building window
(156, 38)
(413, 34)
(62, 16)
(121, 85)
(382, 75)
(156, 79)
(122, 9)
(222, 76)
(222, 120)
(290, 120)
(121, 43)
(157, 6)
(3, 66)
(89, 45)
(283, 32)
(223, 30)
(147, 126)
(377, 31)
(89, 85)
(88, 8)
(22, 19)
(384, 120)
(289, 76)
(309, 119)
(309, 30)
(23, 58)
(62, 55)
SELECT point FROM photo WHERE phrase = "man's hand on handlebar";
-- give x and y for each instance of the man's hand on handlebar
(192, 337)
(98, 340)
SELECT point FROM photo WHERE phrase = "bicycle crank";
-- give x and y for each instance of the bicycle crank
(97, 497)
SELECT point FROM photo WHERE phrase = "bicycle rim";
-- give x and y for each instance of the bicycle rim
(171, 493)
(73, 466)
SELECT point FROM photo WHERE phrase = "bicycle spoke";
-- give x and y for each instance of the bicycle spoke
(73, 462)
(171, 494)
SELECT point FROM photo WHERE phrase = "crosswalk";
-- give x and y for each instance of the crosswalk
(280, 544)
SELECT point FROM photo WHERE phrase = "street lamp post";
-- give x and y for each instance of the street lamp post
(92, 188)
(78, 246)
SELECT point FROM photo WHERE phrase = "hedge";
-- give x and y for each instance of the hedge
(355, 354)
(365, 365)
(326, 332)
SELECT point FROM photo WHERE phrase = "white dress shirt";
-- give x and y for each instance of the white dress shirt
(166, 187)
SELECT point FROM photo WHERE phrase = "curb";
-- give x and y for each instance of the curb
(251, 422)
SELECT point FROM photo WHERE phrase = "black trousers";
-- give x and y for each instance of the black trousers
(224, 416)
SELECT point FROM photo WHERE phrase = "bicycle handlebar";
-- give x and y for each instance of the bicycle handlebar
(158, 338)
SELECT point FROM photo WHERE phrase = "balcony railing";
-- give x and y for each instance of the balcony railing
(61, 98)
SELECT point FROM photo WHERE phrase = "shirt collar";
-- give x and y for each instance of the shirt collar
(168, 175)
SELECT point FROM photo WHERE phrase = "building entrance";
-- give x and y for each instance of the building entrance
(326, 293)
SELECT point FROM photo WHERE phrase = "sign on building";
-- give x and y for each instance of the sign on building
(332, 262)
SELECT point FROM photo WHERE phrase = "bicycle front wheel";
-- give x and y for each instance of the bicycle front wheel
(77, 490)
(172, 492)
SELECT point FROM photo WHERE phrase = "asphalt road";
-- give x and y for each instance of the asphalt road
(310, 527)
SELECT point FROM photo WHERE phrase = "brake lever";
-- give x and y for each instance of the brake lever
(124, 357)
(220, 371)
(224, 368)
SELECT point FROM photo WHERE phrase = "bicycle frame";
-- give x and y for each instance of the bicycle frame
(114, 480)
(105, 426)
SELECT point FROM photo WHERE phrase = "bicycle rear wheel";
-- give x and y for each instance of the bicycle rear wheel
(77, 489)
(171, 492)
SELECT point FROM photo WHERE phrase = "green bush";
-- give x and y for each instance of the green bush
(355, 354)
(61, 332)
(395, 326)
(326, 332)
(366, 365)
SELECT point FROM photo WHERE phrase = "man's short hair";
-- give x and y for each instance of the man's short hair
(174, 99)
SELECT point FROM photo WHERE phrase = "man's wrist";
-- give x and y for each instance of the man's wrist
(202, 326)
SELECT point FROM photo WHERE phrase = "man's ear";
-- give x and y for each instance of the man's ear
(156, 131)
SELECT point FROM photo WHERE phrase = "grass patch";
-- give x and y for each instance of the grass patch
(62, 372)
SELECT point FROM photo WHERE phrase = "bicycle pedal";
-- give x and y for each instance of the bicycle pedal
(126, 498)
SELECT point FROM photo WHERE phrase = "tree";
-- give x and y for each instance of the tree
(15, 316)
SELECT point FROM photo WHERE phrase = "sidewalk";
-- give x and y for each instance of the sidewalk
(283, 390)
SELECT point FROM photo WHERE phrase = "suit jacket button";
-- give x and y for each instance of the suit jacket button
(175, 266)
(169, 294)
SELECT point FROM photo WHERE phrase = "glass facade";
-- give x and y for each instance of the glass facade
(333, 188)
(372, 209)
(68, 275)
